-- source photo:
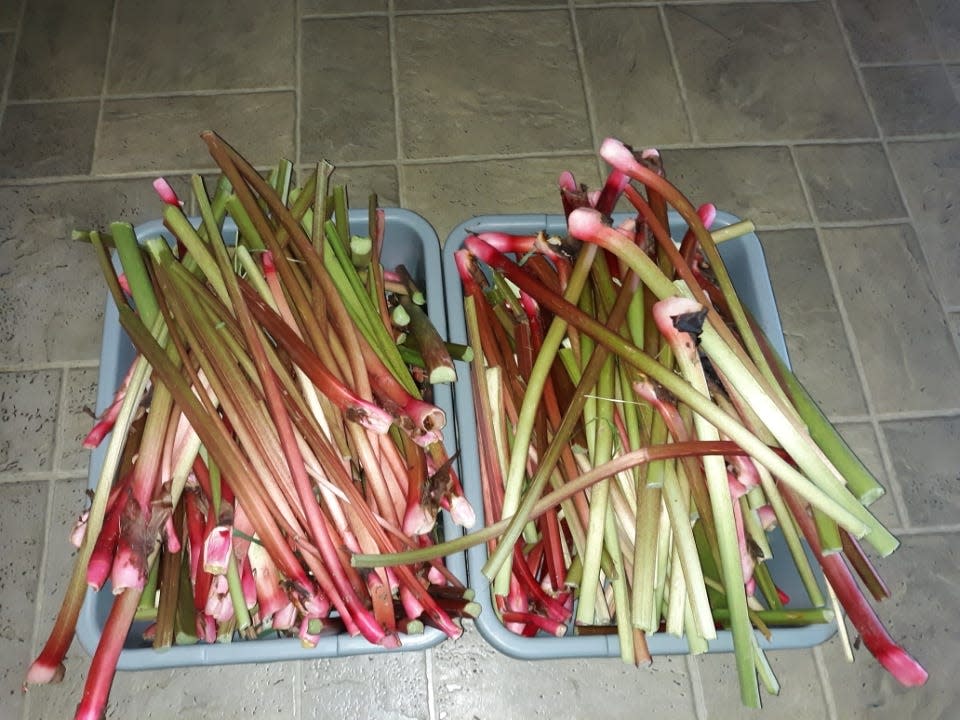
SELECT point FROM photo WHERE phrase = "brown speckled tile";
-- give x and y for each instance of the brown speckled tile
(943, 22)
(52, 300)
(812, 326)
(63, 49)
(921, 615)
(47, 139)
(930, 177)
(755, 183)
(632, 84)
(767, 72)
(925, 458)
(28, 416)
(354, 687)
(472, 679)
(180, 55)
(908, 355)
(886, 31)
(23, 518)
(913, 100)
(850, 182)
(76, 420)
(346, 103)
(861, 438)
(453, 97)
(801, 693)
(163, 133)
(449, 193)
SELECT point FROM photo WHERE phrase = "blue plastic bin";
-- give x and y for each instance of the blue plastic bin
(743, 257)
(409, 239)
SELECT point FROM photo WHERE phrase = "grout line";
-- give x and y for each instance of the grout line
(696, 687)
(930, 530)
(451, 159)
(431, 689)
(820, 663)
(61, 365)
(57, 454)
(119, 175)
(298, 689)
(212, 92)
(8, 75)
(103, 86)
(8, 478)
(343, 15)
(675, 63)
(395, 89)
(495, 9)
(586, 86)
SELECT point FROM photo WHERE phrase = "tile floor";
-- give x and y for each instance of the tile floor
(834, 124)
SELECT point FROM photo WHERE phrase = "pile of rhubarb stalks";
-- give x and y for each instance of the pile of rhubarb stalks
(276, 420)
(639, 440)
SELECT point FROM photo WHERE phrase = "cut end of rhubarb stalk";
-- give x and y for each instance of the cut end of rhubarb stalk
(41, 673)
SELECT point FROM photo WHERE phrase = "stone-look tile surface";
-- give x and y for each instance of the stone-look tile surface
(850, 182)
(346, 103)
(757, 183)
(51, 305)
(163, 133)
(943, 21)
(6, 54)
(921, 615)
(47, 139)
(953, 73)
(930, 177)
(741, 65)
(76, 420)
(62, 50)
(371, 687)
(363, 180)
(450, 193)
(28, 418)
(453, 98)
(182, 55)
(626, 48)
(801, 693)
(886, 31)
(863, 441)
(22, 515)
(472, 679)
(907, 352)
(316, 7)
(912, 100)
(812, 327)
(925, 458)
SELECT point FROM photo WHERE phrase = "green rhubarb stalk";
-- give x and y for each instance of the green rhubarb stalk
(621, 592)
(134, 267)
(499, 563)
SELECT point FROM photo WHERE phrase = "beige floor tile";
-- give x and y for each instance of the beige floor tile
(922, 576)
(474, 680)
(450, 193)
(356, 687)
(735, 96)
(53, 302)
(812, 325)
(863, 441)
(47, 139)
(178, 55)
(912, 100)
(850, 182)
(930, 176)
(755, 183)
(62, 50)
(22, 514)
(925, 456)
(801, 693)
(632, 84)
(886, 31)
(346, 104)
(943, 21)
(75, 419)
(162, 134)
(453, 100)
(29, 411)
(908, 356)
